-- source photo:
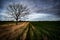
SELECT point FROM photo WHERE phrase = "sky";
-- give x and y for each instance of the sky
(40, 10)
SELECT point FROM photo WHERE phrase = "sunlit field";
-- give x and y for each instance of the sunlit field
(30, 30)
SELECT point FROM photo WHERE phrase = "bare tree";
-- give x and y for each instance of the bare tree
(17, 11)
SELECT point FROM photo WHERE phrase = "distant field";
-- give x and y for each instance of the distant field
(49, 28)
(40, 30)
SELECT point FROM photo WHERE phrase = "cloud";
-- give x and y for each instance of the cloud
(40, 9)
(42, 17)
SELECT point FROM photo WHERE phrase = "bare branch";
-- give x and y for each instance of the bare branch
(17, 11)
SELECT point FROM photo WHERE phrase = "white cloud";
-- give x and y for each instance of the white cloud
(32, 17)
(42, 17)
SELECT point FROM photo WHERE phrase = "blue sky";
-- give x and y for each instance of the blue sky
(41, 10)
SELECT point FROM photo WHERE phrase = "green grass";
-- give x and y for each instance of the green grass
(51, 29)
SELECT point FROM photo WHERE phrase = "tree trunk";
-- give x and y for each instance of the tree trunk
(16, 21)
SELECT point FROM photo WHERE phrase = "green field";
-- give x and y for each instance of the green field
(33, 30)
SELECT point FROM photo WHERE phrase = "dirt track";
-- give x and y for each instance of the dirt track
(10, 32)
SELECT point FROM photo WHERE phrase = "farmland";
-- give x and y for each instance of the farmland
(30, 30)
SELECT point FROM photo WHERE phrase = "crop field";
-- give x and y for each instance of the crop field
(30, 30)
